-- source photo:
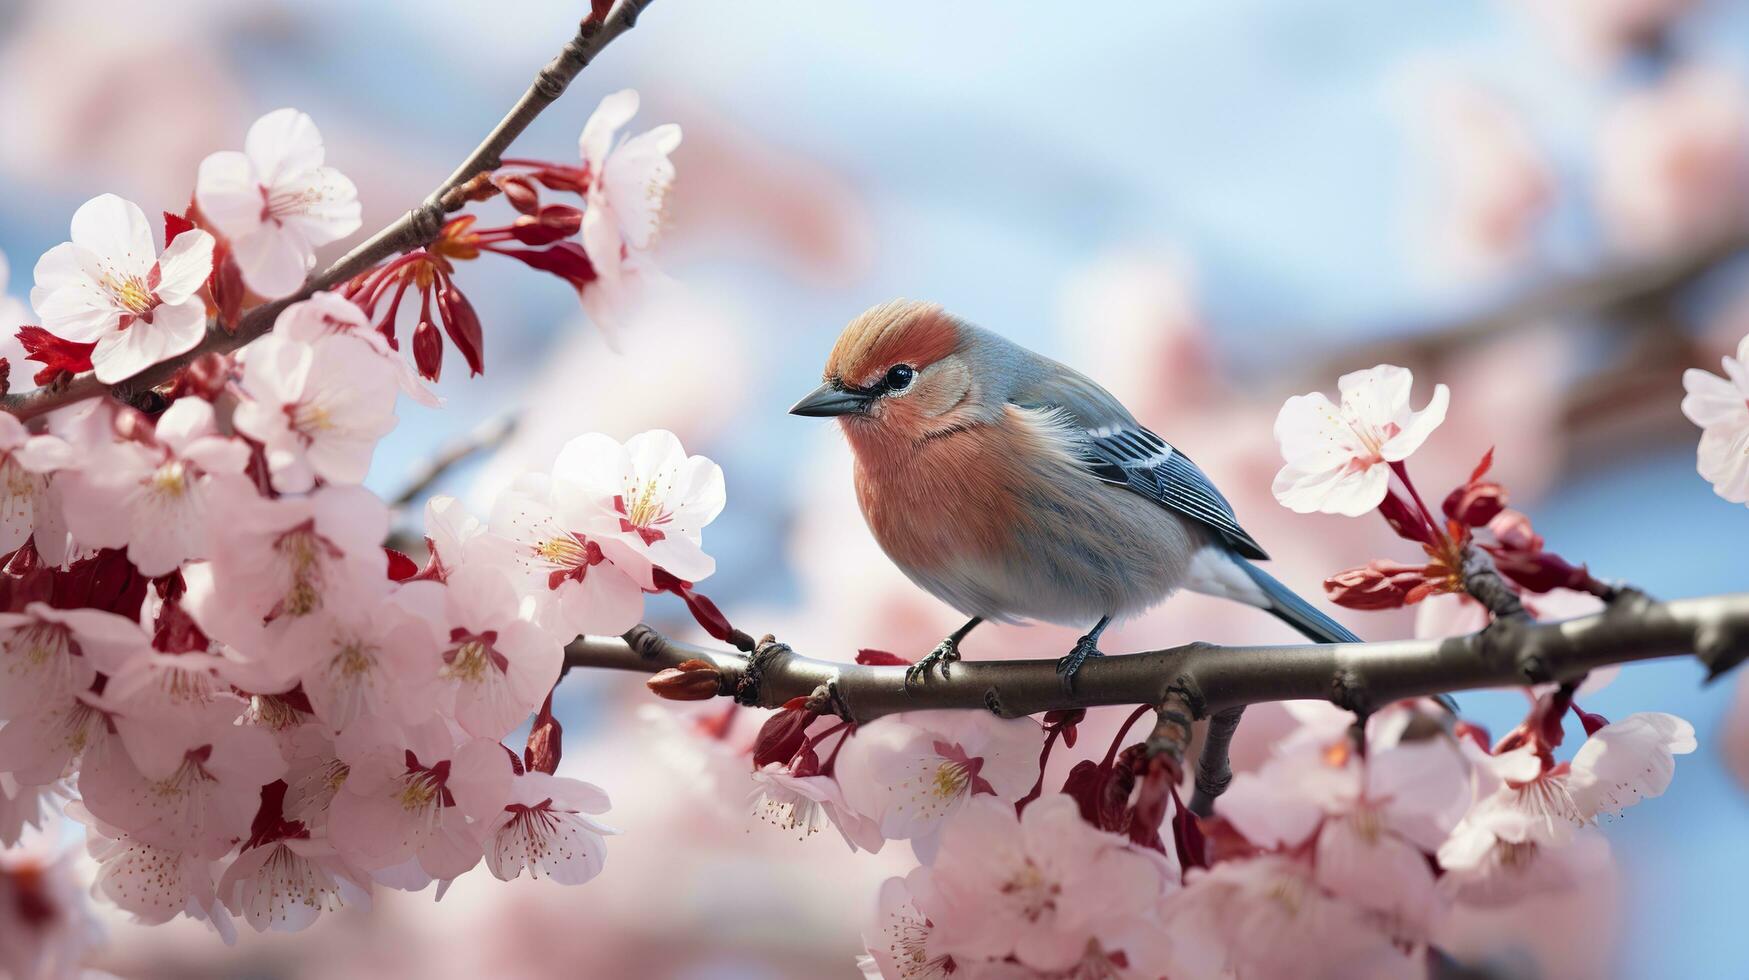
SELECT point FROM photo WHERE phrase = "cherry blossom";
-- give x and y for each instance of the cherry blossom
(281, 560)
(152, 496)
(25, 462)
(910, 772)
(275, 202)
(193, 786)
(46, 924)
(498, 666)
(1530, 806)
(547, 827)
(1337, 456)
(47, 655)
(806, 805)
(1040, 887)
(1267, 917)
(366, 657)
(425, 801)
(543, 534)
(449, 530)
(649, 501)
(40, 748)
(628, 186)
(318, 407)
(25, 806)
(109, 286)
(899, 939)
(285, 884)
(155, 884)
(329, 314)
(1720, 406)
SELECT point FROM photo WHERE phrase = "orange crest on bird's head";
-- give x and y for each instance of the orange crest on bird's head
(900, 332)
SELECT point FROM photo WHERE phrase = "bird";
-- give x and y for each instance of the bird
(1014, 488)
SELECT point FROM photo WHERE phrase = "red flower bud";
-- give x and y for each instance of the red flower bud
(781, 737)
(567, 260)
(520, 192)
(203, 378)
(1475, 503)
(694, 680)
(880, 658)
(1539, 571)
(1066, 721)
(463, 326)
(1376, 585)
(544, 741)
(1102, 793)
(1405, 519)
(428, 350)
(554, 223)
(227, 288)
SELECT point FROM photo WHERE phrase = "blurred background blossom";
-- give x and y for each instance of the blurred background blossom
(1206, 206)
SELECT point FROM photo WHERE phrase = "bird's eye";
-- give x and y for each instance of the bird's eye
(899, 377)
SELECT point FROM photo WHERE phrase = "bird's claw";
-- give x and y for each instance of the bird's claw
(1086, 648)
(944, 655)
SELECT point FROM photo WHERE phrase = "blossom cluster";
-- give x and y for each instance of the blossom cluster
(210, 656)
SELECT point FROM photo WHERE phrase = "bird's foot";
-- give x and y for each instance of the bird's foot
(945, 653)
(1086, 648)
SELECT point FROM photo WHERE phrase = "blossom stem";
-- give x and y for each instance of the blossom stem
(1044, 758)
(1117, 740)
(1358, 676)
(1402, 471)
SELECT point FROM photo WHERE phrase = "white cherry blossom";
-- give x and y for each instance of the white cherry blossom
(25, 464)
(548, 828)
(275, 201)
(109, 286)
(647, 501)
(628, 187)
(1338, 456)
(318, 408)
(1720, 406)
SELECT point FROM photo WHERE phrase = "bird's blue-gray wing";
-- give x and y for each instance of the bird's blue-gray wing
(1120, 451)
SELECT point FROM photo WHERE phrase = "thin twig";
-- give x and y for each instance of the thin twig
(1358, 676)
(484, 439)
(1213, 770)
(412, 230)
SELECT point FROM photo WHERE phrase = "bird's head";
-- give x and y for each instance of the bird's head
(900, 373)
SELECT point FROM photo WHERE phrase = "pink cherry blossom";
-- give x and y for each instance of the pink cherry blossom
(628, 186)
(155, 884)
(47, 655)
(899, 937)
(281, 560)
(193, 786)
(1527, 807)
(153, 497)
(1720, 406)
(1040, 887)
(110, 287)
(317, 408)
(426, 802)
(370, 657)
(42, 747)
(1673, 160)
(1337, 456)
(285, 884)
(329, 314)
(547, 828)
(449, 531)
(1267, 917)
(25, 463)
(46, 923)
(806, 805)
(912, 771)
(649, 501)
(498, 666)
(276, 202)
(25, 806)
(544, 536)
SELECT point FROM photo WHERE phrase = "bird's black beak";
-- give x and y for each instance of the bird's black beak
(831, 399)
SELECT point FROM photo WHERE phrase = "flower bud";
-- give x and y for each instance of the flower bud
(1512, 529)
(463, 326)
(694, 680)
(428, 350)
(520, 192)
(553, 223)
(1404, 519)
(781, 737)
(1475, 503)
(1540, 571)
(1375, 585)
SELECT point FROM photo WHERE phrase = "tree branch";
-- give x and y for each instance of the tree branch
(484, 439)
(1212, 679)
(412, 230)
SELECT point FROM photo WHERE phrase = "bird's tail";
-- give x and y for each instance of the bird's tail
(1286, 605)
(1218, 572)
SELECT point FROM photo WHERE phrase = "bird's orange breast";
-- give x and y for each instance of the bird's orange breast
(949, 497)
